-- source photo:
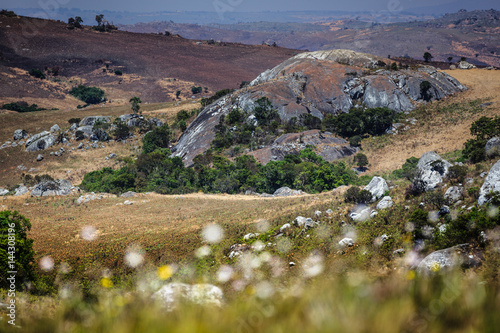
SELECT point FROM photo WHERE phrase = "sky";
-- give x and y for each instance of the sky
(240, 5)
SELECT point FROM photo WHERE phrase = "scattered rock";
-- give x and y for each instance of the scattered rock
(172, 294)
(19, 134)
(52, 188)
(361, 213)
(39, 157)
(465, 65)
(237, 249)
(55, 128)
(291, 264)
(80, 146)
(377, 187)
(385, 203)
(329, 212)
(250, 236)
(299, 221)
(21, 168)
(73, 127)
(287, 192)
(112, 155)
(317, 213)
(492, 147)
(3, 191)
(283, 228)
(346, 242)
(21, 190)
(128, 194)
(399, 252)
(128, 203)
(491, 184)
(454, 193)
(447, 259)
(40, 141)
(91, 120)
(431, 170)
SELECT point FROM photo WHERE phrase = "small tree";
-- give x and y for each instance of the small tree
(361, 160)
(135, 101)
(78, 22)
(427, 56)
(98, 19)
(178, 93)
(16, 249)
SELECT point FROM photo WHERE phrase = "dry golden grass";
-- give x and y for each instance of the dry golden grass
(166, 226)
(390, 152)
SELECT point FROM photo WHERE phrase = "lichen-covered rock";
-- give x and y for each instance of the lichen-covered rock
(431, 170)
(465, 65)
(21, 190)
(454, 193)
(172, 294)
(40, 141)
(91, 120)
(52, 188)
(55, 128)
(316, 83)
(491, 184)
(346, 242)
(385, 203)
(19, 134)
(361, 213)
(492, 147)
(287, 192)
(3, 191)
(327, 146)
(377, 187)
(447, 259)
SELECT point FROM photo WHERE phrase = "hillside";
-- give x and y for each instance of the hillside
(463, 34)
(153, 67)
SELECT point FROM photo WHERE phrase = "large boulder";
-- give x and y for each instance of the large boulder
(40, 141)
(21, 190)
(287, 192)
(491, 184)
(170, 295)
(377, 187)
(19, 134)
(492, 147)
(136, 120)
(319, 83)
(52, 188)
(55, 128)
(327, 146)
(361, 213)
(3, 191)
(431, 170)
(447, 259)
(465, 65)
(91, 120)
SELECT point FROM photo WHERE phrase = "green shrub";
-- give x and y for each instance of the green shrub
(22, 106)
(37, 73)
(16, 250)
(90, 95)
(159, 137)
(457, 173)
(359, 122)
(355, 141)
(74, 120)
(196, 90)
(219, 94)
(358, 196)
(408, 170)
(119, 72)
(483, 129)
(122, 130)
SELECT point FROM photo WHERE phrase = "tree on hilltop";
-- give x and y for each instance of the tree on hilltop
(427, 56)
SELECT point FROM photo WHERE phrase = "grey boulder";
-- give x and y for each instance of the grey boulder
(287, 192)
(91, 120)
(431, 170)
(55, 128)
(447, 259)
(454, 193)
(3, 191)
(40, 141)
(492, 147)
(377, 187)
(21, 190)
(385, 203)
(52, 188)
(39, 157)
(491, 184)
(20, 134)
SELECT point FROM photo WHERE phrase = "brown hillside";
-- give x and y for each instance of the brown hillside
(154, 66)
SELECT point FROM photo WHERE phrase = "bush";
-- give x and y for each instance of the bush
(119, 72)
(219, 94)
(79, 135)
(16, 250)
(196, 90)
(37, 73)
(457, 173)
(483, 129)
(408, 170)
(74, 121)
(90, 95)
(122, 130)
(22, 106)
(359, 122)
(265, 113)
(355, 141)
(361, 160)
(159, 137)
(355, 195)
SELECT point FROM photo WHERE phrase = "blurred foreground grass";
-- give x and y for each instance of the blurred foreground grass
(401, 302)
